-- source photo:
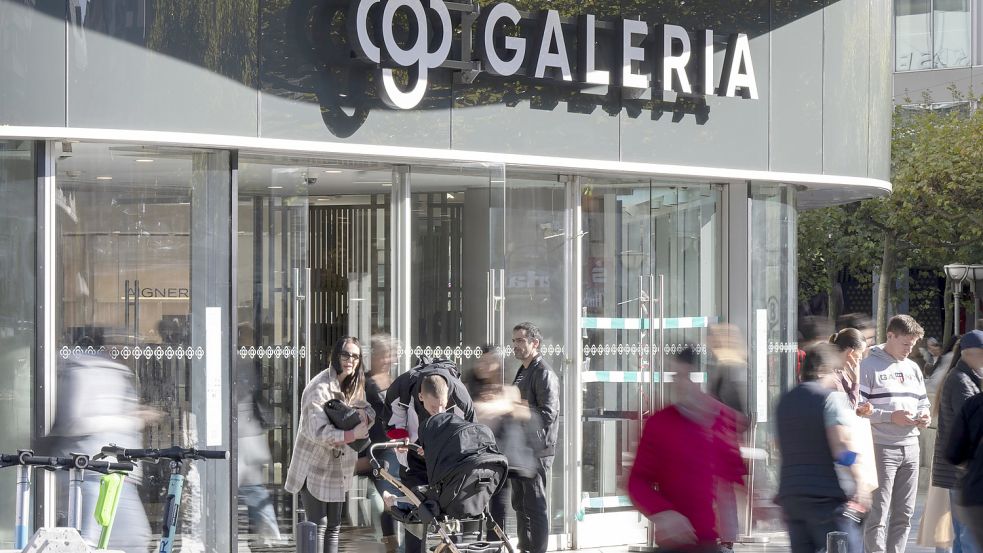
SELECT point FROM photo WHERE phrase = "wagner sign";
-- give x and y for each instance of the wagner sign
(679, 63)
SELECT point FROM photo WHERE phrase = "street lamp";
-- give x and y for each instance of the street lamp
(960, 274)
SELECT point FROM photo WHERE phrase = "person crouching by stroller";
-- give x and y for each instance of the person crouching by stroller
(686, 449)
(322, 465)
(433, 386)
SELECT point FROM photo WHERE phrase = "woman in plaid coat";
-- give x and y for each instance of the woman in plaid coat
(322, 465)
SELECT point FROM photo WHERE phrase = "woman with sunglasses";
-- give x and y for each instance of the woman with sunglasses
(322, 465)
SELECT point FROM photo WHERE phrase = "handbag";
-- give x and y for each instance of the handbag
(344, 417)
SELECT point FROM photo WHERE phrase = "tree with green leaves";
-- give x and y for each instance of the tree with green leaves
(932, 218)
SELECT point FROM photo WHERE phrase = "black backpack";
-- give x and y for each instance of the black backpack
(464, 466)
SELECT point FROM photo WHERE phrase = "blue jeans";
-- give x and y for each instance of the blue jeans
(962, 537)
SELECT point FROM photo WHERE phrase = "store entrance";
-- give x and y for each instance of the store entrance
(651, 287)
(329, 248)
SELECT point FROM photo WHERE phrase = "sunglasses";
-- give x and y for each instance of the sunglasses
(346, 355)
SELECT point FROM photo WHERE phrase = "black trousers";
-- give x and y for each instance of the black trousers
(412, 478)
(498, 509)
(809, 520)
(532, 509)
(327, 516)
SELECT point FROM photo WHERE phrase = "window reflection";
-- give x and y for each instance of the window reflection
(143, 257)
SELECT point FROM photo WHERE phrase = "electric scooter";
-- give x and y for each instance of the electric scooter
(76, 465)
(177, 457)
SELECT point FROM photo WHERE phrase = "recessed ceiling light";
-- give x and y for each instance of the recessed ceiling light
(144, 161)
(332, 171)
(274, 187)
(104, 178)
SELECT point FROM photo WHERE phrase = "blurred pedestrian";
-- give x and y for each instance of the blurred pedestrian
(851, 346)
(861, 322)
(961, 383)
(684, 451)
(378, 378)
(814, 424)
(96, 404)
(812, 330)
(965, 448)
(539, 388)
(727, 370)
(322, 465)
(254, 448)
(894, 387)
(500, 408)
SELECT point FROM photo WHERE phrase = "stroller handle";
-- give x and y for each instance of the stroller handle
(395, 444)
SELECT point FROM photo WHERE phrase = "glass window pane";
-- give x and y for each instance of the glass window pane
(18, 222)
(772, 330)
(951, 24)
(535, 272)
(913, 34)
(296, 214)
(143, 259)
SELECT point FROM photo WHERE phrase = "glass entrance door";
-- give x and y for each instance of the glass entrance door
(314, 265)
(650, 288)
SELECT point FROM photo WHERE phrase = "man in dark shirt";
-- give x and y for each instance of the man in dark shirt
(540, 389)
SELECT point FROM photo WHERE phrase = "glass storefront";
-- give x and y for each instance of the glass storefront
(651, 287)
(18, 234)
(144, 279)
(197, 291)
(772, 334)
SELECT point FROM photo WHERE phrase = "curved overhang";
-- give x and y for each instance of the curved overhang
(815, 190)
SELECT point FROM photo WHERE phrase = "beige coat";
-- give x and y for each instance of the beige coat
(320, 458)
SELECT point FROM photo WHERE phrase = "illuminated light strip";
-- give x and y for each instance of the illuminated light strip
(636, 323)
(635, 376)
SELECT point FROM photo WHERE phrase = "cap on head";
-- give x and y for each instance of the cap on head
(972, 339)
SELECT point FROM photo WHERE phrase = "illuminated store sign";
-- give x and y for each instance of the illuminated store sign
(680, 63)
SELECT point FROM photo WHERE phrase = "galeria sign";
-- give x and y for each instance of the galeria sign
(545, 55)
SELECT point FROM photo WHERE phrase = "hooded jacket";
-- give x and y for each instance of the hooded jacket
(891, 385)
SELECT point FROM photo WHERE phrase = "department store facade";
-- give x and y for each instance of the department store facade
(304, 170)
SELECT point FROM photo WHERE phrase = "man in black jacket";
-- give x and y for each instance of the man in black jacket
(540, 389)
(965, 447)
(961, 384)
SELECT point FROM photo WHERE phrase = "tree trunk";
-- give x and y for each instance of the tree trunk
(949, 319)
(832, 300)
(886, 284)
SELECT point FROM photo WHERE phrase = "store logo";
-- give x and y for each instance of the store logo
(502, 51)
(159, 292)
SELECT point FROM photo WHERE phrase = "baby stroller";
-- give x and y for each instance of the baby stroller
(464, 471)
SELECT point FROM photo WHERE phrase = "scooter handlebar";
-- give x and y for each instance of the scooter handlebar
(174, 453)
(26, 457)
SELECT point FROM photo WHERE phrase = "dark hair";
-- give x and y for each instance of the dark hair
(859, 321)
(814, 328)
(687, 355)
(849, 338)
(820, 360)
(354, 384)
(434, 385)
(905, 325)
(531, 330)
